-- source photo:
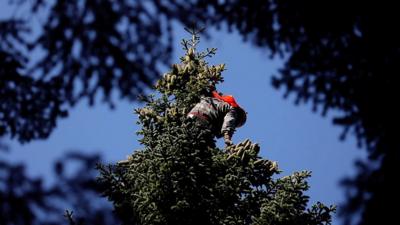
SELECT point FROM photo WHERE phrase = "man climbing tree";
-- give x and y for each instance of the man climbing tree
(221, 114)
(180, 177)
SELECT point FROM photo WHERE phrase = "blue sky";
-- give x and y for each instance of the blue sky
(294, 136)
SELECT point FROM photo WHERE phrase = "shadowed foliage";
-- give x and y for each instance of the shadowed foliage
(81, 49)
(28, 107)
(336, 61)
(26, 200)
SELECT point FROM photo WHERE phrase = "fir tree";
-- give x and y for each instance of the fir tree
(182, 177)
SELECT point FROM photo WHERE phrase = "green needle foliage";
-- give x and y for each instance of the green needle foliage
(181, 177)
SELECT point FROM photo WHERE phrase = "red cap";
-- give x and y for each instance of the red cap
(226, 98)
